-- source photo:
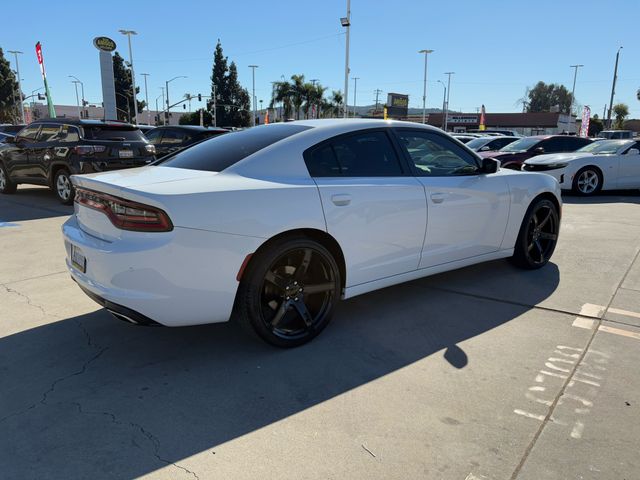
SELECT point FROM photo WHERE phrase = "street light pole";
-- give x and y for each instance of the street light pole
(128, 33)
(613, 88)
(355, 91)
(82, 86)
(253, 94)
(163, 105)
(424, 88)
(128, 107)
(166, 85)
(16, 53)
(444, 101)
(346, 22)
(573, 90)
(75, 83)
(146, 97)
(446, 119)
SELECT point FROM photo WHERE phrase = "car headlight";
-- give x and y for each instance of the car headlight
(150, 148)
(538, 167)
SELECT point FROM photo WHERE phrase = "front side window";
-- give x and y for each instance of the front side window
(522, 145)
(48, 132)
(435, 155)
(28, 134)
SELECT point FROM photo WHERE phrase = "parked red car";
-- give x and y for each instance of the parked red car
(513, 155)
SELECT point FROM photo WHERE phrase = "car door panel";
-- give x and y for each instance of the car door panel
(467, 210)
(629, 168)
(17, 157)
(379, 222)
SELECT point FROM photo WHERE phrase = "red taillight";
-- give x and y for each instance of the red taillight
(89, 149)
(125, 214)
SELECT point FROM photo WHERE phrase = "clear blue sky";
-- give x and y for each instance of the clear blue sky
(496, 48)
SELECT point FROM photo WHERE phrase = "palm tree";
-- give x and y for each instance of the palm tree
(336, 103)
(298, 94)
(283, 94)
(313, 97)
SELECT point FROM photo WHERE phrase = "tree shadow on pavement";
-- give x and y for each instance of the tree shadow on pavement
(91, 397)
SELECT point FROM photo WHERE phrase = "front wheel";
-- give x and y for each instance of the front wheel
(63, 187)
(288, 292)
(538, 235)
(588, 181)
(6, 185)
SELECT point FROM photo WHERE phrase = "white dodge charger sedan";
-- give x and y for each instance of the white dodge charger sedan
(276, 223)
(602, 165)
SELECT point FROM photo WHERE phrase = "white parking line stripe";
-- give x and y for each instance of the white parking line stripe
(626, 313)
(619, 331)
(582, 322)
(591, 310)
(529, 415)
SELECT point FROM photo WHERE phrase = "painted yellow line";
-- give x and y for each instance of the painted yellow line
(619, 331)
(626, 313)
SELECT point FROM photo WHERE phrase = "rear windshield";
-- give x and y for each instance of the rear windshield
(222, 151)
(113, 133)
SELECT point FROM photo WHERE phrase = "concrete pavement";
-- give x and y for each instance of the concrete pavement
(489, 372)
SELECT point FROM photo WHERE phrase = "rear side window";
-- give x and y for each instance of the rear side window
(48, 132)
(67, 134)
(221, 152)
(365, 154)
(174, 137)
(112, 133)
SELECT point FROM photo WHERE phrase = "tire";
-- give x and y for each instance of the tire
(274, 299)
(63, 187)
(538, 235)
(588, 181)
(6, 185)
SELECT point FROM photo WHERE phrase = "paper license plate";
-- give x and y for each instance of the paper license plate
(78, 260)
(125, 153)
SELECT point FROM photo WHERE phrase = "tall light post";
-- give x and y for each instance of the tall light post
(446, 119)
(253, 95)
(16, 53)
(613, 88)
(573, 90)
(127, 103)
(166, 86)
(355, 90)
(163, 105)
(82, 86)
(128, 33)
(75, 83)
(424, 87)
(146, 97)
(158, 111)
(444, 102)
(346, 22)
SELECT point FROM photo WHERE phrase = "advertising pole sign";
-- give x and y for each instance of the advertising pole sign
(586, 119)
(483, 124)
(52, 111)
(105, 45)
(397, 105)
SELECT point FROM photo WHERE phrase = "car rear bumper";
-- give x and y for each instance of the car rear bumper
(178, 278)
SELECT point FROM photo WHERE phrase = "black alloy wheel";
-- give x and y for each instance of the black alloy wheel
(288, 294)
(538, 235)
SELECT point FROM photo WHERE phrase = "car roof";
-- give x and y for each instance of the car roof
(85, 123)
(196, 128)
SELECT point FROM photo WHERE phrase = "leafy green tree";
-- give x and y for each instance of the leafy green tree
(313, 97)
(194, 118)
(233, 101)
(298, 93)
(123, 87)
(283, 95)
(240, 99)
(544, 97)
(621, 112)
(8, 92)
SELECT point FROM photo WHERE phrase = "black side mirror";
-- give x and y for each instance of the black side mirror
(490, 165)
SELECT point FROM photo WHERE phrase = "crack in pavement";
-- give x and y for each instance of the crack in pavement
(27, 298)
(147, 434)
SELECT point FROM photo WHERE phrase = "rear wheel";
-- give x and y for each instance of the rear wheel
(288, 292)
(63, 187)
(6, 185)
(588, 181)
(538, 235)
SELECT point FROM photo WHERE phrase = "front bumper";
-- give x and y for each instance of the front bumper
(178, 278)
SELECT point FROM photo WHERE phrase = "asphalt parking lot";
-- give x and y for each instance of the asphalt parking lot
(486, 373)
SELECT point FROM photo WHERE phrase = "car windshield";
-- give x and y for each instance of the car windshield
(605, 146)
(222, 151)
(478, 143)
(521, 145)
(118, 133)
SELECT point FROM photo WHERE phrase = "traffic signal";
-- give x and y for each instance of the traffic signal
(199, 97)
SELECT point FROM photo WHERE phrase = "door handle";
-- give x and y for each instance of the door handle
(341, 200)
(438, 197)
